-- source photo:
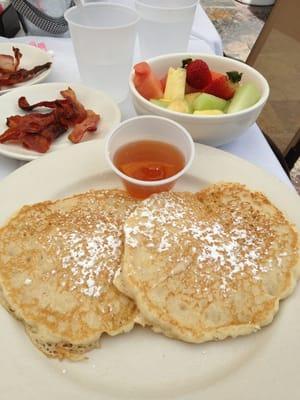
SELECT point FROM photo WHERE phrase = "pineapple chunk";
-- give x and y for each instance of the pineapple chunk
(175, 85)
(180, 106)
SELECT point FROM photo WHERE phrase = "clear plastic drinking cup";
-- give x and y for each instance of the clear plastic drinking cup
(103, 36)
(164, 26)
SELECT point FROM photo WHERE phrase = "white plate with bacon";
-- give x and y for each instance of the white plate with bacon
(47, 117)
(22, 65)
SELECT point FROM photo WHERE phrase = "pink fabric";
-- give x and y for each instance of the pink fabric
(40, 45)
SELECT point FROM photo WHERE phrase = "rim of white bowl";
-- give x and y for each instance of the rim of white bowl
(140, 2)
(158, 182)
(261, 101)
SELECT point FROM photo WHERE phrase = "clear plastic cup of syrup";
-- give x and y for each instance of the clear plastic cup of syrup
(149, 154)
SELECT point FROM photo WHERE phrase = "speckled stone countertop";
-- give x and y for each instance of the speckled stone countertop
(238, 24)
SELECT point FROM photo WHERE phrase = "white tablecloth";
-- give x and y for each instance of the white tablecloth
(251, 145)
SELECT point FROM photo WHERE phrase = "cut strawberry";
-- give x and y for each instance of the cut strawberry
(198, 74)
(146, 82)
(224, 86)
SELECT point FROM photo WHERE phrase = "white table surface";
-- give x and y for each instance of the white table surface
(251, 146)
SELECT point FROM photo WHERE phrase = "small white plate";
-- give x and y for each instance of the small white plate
(91, 99)
(31, 57)
(143, 365)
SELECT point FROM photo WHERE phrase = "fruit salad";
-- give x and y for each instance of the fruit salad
(195, 89)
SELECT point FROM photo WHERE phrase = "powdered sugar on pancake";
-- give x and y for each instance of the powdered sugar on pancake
(224, 251)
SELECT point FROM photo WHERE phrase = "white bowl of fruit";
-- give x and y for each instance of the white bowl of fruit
(215, 98)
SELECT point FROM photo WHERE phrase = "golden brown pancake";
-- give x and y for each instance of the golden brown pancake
(210, 265)
(57, 263)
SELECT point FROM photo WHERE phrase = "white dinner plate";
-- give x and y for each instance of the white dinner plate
(142, 365)
(31, 57)
(91, 99)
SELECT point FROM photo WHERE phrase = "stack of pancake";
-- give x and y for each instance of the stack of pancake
(193, 266)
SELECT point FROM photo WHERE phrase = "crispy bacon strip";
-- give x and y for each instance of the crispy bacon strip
(13, 121)
(35, 122)
(11, 134)
(89, 124)
(51, 132)
(22, 75)
(68, 110)
(18, 56)
(24, 105)
(36, 142)
(21, 125)
(78, 108)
